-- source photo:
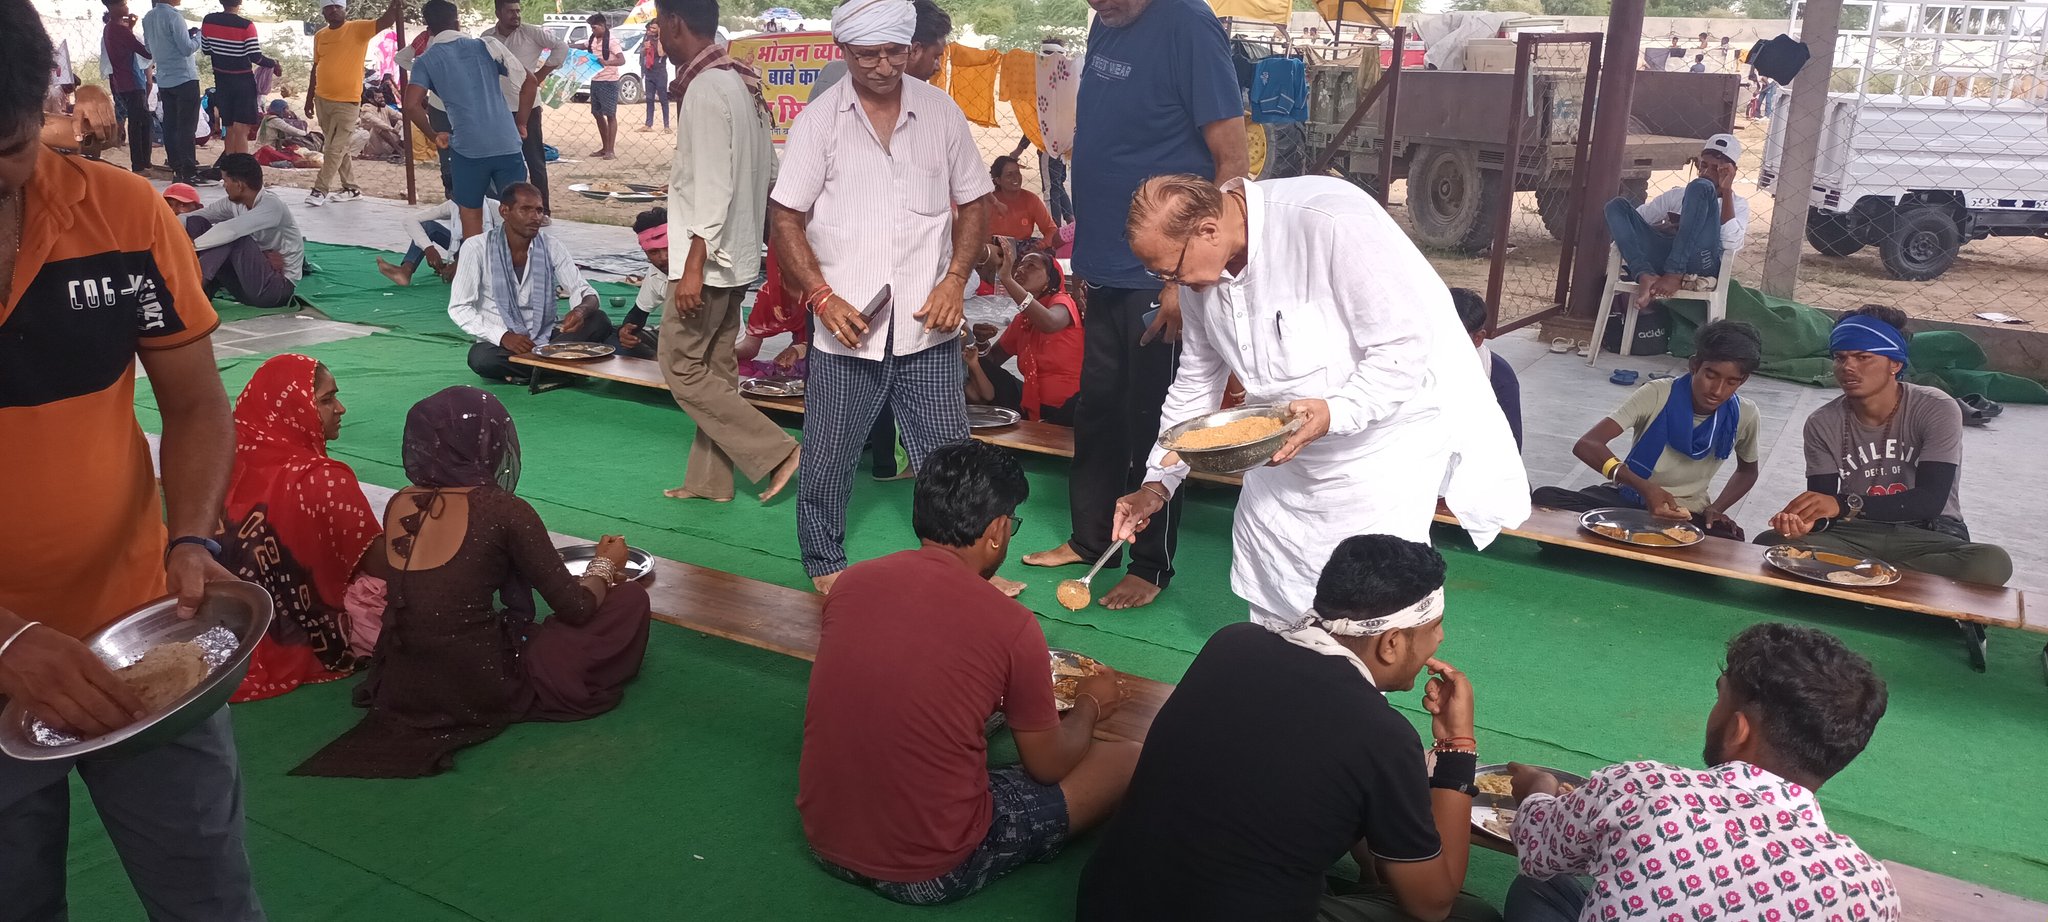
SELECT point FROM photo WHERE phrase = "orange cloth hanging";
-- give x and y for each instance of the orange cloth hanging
(973, 82)
(1020, 89)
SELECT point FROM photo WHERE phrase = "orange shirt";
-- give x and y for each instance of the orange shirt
(1022, 215)
(104, 270)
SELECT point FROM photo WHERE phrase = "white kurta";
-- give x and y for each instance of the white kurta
(1335, 303)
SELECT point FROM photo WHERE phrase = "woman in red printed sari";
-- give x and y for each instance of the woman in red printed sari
(297, 524)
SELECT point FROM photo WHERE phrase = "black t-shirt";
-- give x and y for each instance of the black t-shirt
(1268, 763)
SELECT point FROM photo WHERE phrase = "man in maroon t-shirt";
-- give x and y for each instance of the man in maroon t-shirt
(916, 651)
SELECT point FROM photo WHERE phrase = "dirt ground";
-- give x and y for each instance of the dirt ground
(2007, 275)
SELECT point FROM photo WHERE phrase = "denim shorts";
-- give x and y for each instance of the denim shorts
(1029, 824)
(471, 179)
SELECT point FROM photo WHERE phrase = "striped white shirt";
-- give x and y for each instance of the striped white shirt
(882, 217)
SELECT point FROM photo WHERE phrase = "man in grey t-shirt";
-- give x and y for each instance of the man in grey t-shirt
(1883, 466)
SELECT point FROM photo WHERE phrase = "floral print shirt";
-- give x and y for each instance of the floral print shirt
(1731, 843)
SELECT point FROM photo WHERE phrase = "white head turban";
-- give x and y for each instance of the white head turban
(1320, 634)
(874, 22)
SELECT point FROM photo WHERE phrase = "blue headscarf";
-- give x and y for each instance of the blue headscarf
(1864, 333)
(1673, 428)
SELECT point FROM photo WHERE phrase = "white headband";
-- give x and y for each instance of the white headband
(874, 22)
(1429, 609)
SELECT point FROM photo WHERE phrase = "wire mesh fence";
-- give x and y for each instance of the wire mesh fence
(1930, 188)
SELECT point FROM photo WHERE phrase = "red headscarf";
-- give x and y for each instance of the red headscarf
(297, 524)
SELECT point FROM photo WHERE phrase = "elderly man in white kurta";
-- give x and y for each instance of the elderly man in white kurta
(1309, 293)
(881, 186)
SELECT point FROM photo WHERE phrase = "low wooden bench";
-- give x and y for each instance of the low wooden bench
(1922, 593)
(1026, 435)
(785, 621)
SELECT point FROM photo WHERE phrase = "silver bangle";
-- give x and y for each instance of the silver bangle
(11, 638)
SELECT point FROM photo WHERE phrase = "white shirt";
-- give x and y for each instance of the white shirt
(1734, 842)
(269, 222)
(469, 300)
(528, 44)
(448, 215)
(718, 183)
(1411, 415)
(1668, 203)
(882, 218)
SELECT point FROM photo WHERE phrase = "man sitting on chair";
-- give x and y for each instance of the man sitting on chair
(1669, 243)
(504, 290)
(1685, 428)
(248, 242)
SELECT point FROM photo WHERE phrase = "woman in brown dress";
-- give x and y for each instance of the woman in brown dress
(452, 668)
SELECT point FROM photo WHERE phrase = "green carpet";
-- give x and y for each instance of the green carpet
(1578, 660)
(349, 288)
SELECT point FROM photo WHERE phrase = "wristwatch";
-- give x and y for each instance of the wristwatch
(1852, 506)
(212, 547)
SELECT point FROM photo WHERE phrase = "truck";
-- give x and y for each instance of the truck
(1934, 133)
(1450, 140)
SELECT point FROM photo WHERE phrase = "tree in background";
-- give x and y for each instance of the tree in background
(1767, 9)
(1576, 7)
(1531, 7)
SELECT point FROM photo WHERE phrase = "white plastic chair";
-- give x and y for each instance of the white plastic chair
(1717, 302)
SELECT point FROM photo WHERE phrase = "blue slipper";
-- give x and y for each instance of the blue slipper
(1624, 376)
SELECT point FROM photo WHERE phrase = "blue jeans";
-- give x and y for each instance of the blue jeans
(437, 232)
(1694, 250)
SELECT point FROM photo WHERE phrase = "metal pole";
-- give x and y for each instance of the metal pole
(412, 196)
(1602, 168)
(1803, 114)
(1392, 78)
(1575, 218)
(1511, 170)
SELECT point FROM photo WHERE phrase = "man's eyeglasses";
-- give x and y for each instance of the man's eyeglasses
(1173, 276)
(895, 56)
(1015, 525)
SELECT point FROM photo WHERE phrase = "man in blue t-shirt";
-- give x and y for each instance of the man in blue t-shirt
(1159, 94)
(484, 140)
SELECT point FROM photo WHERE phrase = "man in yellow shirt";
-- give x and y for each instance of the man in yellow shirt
(335, 90)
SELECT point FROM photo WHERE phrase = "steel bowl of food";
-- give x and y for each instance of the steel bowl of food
(1230, 441)
(1494, 806)
(184, 669)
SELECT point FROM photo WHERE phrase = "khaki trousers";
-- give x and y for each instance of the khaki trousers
(338, 123)
(697, 360)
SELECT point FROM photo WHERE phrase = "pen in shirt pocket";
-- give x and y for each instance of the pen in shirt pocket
(1277, 331)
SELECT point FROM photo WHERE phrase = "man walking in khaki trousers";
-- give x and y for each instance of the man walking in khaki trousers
(717, 211)
(334, 93)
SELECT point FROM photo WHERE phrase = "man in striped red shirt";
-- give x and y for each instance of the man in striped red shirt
(231, 41)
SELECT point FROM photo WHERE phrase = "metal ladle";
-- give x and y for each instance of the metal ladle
(1073, 593)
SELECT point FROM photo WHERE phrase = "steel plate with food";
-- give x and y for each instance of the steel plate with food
(1068, 668)
(981, 417)
(183, 669)
(772, 387)
(573, 352)
(621, 192)
(1834, 569)
(577, 558)
(1493, 808)
(1638, 527)
(1230, 441)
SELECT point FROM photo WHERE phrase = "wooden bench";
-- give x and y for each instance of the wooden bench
(1029, 436)
(785, 621)
(1922, 593)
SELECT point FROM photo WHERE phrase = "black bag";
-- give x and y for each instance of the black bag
(1779, 58)
(1653, 330)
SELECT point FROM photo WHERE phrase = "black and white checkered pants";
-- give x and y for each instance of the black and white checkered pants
(842, 396)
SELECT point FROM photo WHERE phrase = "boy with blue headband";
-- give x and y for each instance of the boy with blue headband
(1884, 462)
(1685, 428)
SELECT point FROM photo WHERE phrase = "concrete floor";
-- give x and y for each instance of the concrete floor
(1561, 397)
